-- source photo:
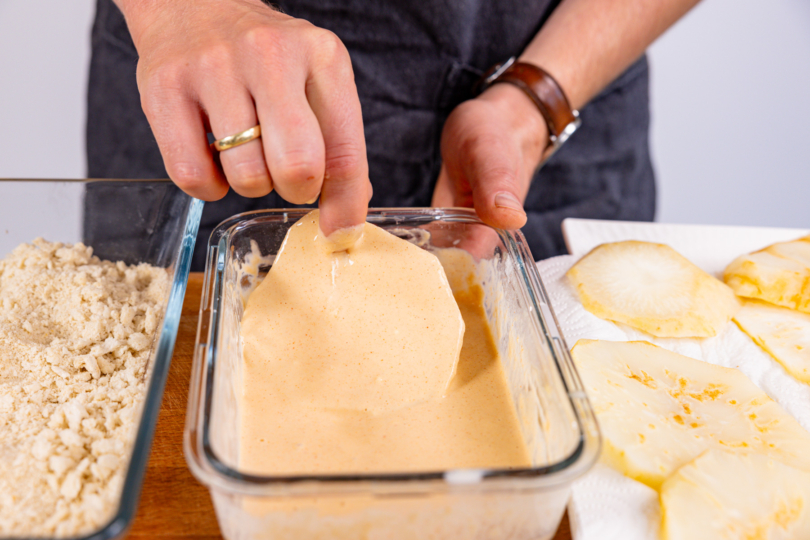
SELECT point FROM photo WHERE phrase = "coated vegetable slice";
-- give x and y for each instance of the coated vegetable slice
(783, 333)
(779, 274)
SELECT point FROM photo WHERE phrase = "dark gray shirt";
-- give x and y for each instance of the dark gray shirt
(414, 61)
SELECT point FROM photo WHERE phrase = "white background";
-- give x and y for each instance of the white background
(730, 107)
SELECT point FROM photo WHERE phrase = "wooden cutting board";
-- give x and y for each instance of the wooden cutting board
(174, 506)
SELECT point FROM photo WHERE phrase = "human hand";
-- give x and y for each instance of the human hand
(227, 66)
(491, 146)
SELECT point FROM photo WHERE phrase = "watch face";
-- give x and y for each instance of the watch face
(491, 74)
(499, 69)
(568, 130)
(557, 141)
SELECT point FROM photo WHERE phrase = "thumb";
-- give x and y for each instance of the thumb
(493, 171)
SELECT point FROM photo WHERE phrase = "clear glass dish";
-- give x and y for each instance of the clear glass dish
(54, 210)
(556, 419)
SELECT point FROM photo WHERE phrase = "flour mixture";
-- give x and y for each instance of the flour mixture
(75, 339)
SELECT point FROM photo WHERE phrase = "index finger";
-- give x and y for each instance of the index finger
(332, 95)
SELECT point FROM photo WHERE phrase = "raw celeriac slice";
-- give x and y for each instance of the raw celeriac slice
(653, 288)
(726, 496)
(659, 410)
(783, 333)
(779, 274)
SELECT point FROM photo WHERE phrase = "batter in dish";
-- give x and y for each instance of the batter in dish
(352, 364)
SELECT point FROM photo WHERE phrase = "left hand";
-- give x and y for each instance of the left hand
(491, 146)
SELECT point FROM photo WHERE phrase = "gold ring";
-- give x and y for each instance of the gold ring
(243, 137)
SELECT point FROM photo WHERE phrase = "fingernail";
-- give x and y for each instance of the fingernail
(506, 200)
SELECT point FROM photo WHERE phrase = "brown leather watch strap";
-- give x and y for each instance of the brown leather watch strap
(544, 91)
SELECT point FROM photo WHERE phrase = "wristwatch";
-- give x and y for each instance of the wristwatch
(546, 94)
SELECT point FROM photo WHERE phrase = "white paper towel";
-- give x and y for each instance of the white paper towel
(606, 505)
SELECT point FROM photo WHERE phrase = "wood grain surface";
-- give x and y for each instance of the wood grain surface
(174, 506)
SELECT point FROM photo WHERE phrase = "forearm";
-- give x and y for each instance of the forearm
(587, 43)
(140, 15)
(136, 12)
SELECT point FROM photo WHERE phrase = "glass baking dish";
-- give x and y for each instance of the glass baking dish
(556, 419)
(159, 230)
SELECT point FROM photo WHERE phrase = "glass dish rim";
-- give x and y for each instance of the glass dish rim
(160, 362)
(206, 465)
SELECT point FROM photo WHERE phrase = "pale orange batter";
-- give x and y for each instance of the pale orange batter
(296, 422)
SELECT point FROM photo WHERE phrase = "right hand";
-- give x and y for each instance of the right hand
(227, 66)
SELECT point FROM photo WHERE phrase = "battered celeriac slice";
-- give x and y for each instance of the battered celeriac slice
(653, 288)
(728, 496)
(659, 410)
(783, 333)
(779, 274)
(372, 327)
